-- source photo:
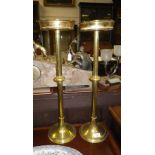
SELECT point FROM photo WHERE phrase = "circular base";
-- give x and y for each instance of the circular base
(61, 134)
(93, 133)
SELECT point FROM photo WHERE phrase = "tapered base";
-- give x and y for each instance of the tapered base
(61, 134)
(93, 132)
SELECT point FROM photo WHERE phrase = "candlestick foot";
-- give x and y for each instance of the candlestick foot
(93, 132)
(61, 134)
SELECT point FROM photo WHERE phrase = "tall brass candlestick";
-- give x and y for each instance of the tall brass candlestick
(94, 132)
(60, 132)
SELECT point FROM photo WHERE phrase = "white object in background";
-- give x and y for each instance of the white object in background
(106, 54)
(117, 50)
(69, 56)
(114, 80)
(54, 150)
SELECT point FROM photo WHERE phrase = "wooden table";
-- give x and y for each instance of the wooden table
(107, 147)
(115, 122)
(116, 113)
(77, 105)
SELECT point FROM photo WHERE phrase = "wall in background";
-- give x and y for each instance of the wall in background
(65, 13)
(71, 13)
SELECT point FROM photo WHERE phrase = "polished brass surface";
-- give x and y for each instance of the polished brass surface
(105, 25)
(94, 78)
(56, 24)
(92, 131)
(60, 132)
(95, 74)
(59, 78)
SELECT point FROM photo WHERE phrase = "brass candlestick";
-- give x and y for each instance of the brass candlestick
(60, 132)
(92, 131)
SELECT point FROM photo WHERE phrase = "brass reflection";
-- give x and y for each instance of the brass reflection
(60, 132)
(92, 131)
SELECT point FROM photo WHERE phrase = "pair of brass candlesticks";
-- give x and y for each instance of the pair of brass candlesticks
(62, 132)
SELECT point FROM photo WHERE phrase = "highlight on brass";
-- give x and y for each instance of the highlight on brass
(56, 24)
(77, 77)
(60, 132)
(92, 131)
(93, 25)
